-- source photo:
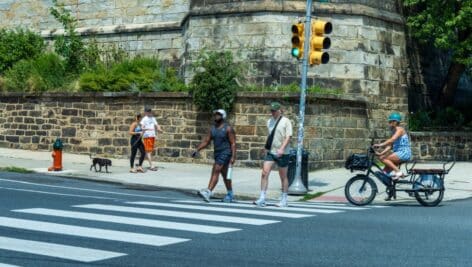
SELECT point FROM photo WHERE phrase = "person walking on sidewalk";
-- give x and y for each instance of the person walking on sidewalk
(276, 150)
(224, 144)
(150, 128)
(136, 144)
(399, 143)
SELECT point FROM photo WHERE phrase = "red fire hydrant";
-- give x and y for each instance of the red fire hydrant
(56, 156)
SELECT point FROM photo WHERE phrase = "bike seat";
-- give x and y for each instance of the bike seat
(428, 171)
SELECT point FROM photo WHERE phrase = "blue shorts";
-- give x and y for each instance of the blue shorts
(403, 154)
(281, 161)
(223, 158)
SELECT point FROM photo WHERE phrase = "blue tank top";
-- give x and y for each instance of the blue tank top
(402, 143)
(220, 139)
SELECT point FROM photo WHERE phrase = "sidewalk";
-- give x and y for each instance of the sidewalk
(192, 177)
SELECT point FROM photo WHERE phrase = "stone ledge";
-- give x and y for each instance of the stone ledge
(286, 95)
(447, 134)
(116, 29)
(296, 7)
(176, 95)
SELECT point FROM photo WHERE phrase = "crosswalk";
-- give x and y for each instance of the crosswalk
(203, 218)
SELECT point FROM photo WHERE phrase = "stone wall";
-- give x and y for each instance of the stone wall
(98, 123)
(441, 145)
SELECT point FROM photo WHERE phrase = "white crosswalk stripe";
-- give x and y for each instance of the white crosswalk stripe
(252, 206)
(188, 215)
(55, 250)
(151, 240)
(226, 209)
(130, 221)
(7, 265)
(200, 213)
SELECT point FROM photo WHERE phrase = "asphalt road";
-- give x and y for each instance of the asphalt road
(52, 221)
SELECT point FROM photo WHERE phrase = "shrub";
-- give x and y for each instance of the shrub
(448, 118)
(19, 44)
(138, 74)
(215, 82)
(43, 73)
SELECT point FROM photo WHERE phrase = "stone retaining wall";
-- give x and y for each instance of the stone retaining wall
(98, 123)
(442, 145)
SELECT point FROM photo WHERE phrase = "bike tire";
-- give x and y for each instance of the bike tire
(366, 185)
(422, 198)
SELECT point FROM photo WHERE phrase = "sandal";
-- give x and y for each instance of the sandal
(140, 169)
(133, 170)
(153, 169)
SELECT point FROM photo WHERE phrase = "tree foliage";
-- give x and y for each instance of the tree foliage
(446, 23)
(215, 84)
(16, 45)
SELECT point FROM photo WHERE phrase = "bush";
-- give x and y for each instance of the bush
(446, 119)
(46, 72)
(16, 45)
(138, 74)
(215, 82)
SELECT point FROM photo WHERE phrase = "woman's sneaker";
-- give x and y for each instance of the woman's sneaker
(260, 202)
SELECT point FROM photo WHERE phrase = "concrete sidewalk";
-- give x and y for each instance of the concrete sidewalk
(192, 177)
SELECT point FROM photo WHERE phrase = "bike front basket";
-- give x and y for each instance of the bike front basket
(357, 162)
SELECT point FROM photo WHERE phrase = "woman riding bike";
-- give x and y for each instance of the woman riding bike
(400, 144)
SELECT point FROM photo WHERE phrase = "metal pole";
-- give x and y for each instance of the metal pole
(297, 187)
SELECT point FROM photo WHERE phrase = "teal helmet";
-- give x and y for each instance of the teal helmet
(395, 116)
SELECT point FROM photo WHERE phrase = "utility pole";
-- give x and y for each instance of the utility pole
(297, 187)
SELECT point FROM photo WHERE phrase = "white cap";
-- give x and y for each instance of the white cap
(222, 112)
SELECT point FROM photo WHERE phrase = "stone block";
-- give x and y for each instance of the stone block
(12, 139)
(70, 112)
(104, 142)
(69, 132)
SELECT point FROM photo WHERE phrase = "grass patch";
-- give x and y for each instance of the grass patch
(15, 169)
(309, 196)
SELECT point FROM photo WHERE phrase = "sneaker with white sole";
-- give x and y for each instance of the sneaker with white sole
(282, 204)
(205, 194)
(260, 202)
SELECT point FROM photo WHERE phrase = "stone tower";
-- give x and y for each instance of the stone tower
(368, 53)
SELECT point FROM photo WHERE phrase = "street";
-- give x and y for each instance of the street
(54, 221)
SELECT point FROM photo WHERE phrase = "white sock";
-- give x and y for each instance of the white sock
(263, 195)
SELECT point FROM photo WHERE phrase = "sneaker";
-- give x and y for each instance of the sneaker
(228, 198)
(260, 202)
(205, 194)
(397, 176)
(282, 204)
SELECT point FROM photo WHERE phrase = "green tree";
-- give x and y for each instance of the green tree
(215, 82)
(19, 44)
(70, 45)
(448, 25)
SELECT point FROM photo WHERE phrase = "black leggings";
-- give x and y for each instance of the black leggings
(137, 144)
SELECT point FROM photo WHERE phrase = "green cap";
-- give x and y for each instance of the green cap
(275, 106)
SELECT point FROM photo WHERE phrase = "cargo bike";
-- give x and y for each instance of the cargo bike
(424, 184)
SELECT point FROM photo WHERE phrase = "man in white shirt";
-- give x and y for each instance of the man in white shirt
(150, 127)
(277, 151)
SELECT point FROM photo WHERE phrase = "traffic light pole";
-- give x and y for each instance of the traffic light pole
(297, 187)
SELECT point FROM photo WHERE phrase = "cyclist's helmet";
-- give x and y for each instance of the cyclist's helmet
(395, 116)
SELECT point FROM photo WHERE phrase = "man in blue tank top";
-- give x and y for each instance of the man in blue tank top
(224, 143)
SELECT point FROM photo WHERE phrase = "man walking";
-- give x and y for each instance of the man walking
(149, 126)
(224, 143)
(277, 150)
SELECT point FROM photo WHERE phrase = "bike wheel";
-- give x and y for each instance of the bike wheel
(429, 198)
(360, 190)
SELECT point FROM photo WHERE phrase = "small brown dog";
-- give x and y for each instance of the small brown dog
(100, 162)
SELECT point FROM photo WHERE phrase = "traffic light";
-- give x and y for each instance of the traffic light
(319, 42)
(298, 38)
